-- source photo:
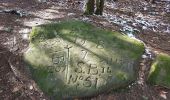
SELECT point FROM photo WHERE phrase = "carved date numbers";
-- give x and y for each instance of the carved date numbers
(85, 81)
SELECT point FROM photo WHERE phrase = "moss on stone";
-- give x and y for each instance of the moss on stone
(160, 71)
(116, 53)
(84, 29)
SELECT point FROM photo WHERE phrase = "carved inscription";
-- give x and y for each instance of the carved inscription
(87, 75)
(59, 61)
(83, 54)
(73, 59)
(92, 69)
(85, 81)
(85, 72)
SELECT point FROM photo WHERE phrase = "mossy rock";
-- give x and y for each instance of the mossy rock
(76, 59)
(160, 71)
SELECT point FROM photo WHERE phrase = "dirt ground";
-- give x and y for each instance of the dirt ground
(17, 17)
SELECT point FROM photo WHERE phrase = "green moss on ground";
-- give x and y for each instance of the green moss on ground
(160, 71)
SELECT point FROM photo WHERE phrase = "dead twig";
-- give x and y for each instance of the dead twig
(15, 71)
(14, 12)
(3, 52)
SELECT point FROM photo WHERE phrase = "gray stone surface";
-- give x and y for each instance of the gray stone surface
(76, 59)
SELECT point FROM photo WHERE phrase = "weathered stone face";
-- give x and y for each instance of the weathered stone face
(75, 59)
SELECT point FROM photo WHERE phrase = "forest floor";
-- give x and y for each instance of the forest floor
(136, 18)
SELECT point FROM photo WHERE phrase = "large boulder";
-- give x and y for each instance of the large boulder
(75, 59)
(160, 71)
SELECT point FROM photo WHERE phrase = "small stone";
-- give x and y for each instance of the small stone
(140, 82)
(143, 67)
(144, 56)
(134, 24)
(163, 94)
(1, 91)
(15, 48)
(129, 86)
(85, 19)
(15, 89)
(155, 38)
(8, 29)
(1, 28)
(141, 64)
(148, 51)
(25, 36)
(145, 8)
(17, 62)
(24, 31)
(145, 97)
(71, 14)
(144, 27)
(31, 87)
(42, 1)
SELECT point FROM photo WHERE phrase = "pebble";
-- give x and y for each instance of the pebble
(25, 31)
(8, 29)
(31, 87)
(15, 48)
(144, 27)
(163, 94)
(147, 51)
(15, 89)
(142, 64)
(143, 68)
(145, 8)
(42, 0)
(144, 56)
(140, 82)
(1, 91)
(25, 36)
(71, 14)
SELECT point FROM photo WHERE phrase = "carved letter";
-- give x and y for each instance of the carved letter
(58, 59)
(72, 79)
(95, 84)
(93, 69)
(109, 70)
(57, 68)
(79, 67)
(83, 54)
(87, 82)
(100, 44)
